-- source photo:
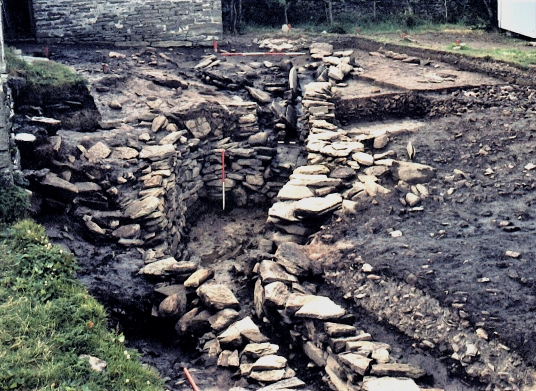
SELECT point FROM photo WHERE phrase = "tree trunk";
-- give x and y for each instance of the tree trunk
(487, 3)
(329, 11)
(240, 21)
(409, 8)
(233, 17)
(287, 5)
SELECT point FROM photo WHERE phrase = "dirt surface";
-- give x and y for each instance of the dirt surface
(441, 40)
(454, 250)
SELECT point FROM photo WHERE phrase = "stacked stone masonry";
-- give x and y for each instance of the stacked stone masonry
(6, 114)
(137, 185)
(129, 23)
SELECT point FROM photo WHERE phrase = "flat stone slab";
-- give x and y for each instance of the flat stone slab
(397, 370)
(336, 330)
(199, 127)
(257, 350)
(45, 121)
(317, 169)
(389, 383)
(342, 149)
(313, 180)
(315, 353)
(222, 319)
(25, 137)
(412, 173)
(217, 296)
(367, 345)
(320, 307)
(318, 206)
(269, 362)
(87, 187)
(164, 79)
(267, 376)
(198, 278)
(60, 186)
(171, 138)
(276, 294)
(157, 152)
(324, 49)
(283, 211)
(159, 268)
(124, 153)
(294, 193)
(368, 131)
(293, 258)
(142, 208)
(249, 330)
(358, 363)
(270, 271)
(259, 95)
(286, 384)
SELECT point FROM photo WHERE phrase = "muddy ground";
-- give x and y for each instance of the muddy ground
(453, 250)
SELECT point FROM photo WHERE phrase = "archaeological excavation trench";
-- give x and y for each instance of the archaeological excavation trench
(377, 229)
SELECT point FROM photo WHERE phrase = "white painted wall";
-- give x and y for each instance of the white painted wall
(518, 16)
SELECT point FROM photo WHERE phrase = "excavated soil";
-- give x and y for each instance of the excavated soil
(453, 249)
(480, 207)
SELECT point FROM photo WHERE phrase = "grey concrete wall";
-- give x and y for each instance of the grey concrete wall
(129, 22)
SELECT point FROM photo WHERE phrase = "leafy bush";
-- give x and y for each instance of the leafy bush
(48, 320)
(14, 204)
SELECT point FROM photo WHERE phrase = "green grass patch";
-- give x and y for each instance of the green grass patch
(460, 47)
(48, 320)
(524, 58)
(41, 72)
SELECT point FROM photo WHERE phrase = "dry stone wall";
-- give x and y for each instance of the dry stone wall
(136, 185)
(6, 114)
(129, 23)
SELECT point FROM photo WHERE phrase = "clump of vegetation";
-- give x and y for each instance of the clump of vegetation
(48, 321)
(14, 204)
(42, 73)
(337, 29)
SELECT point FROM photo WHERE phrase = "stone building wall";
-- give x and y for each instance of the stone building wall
(129, 22)
(6, 110)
